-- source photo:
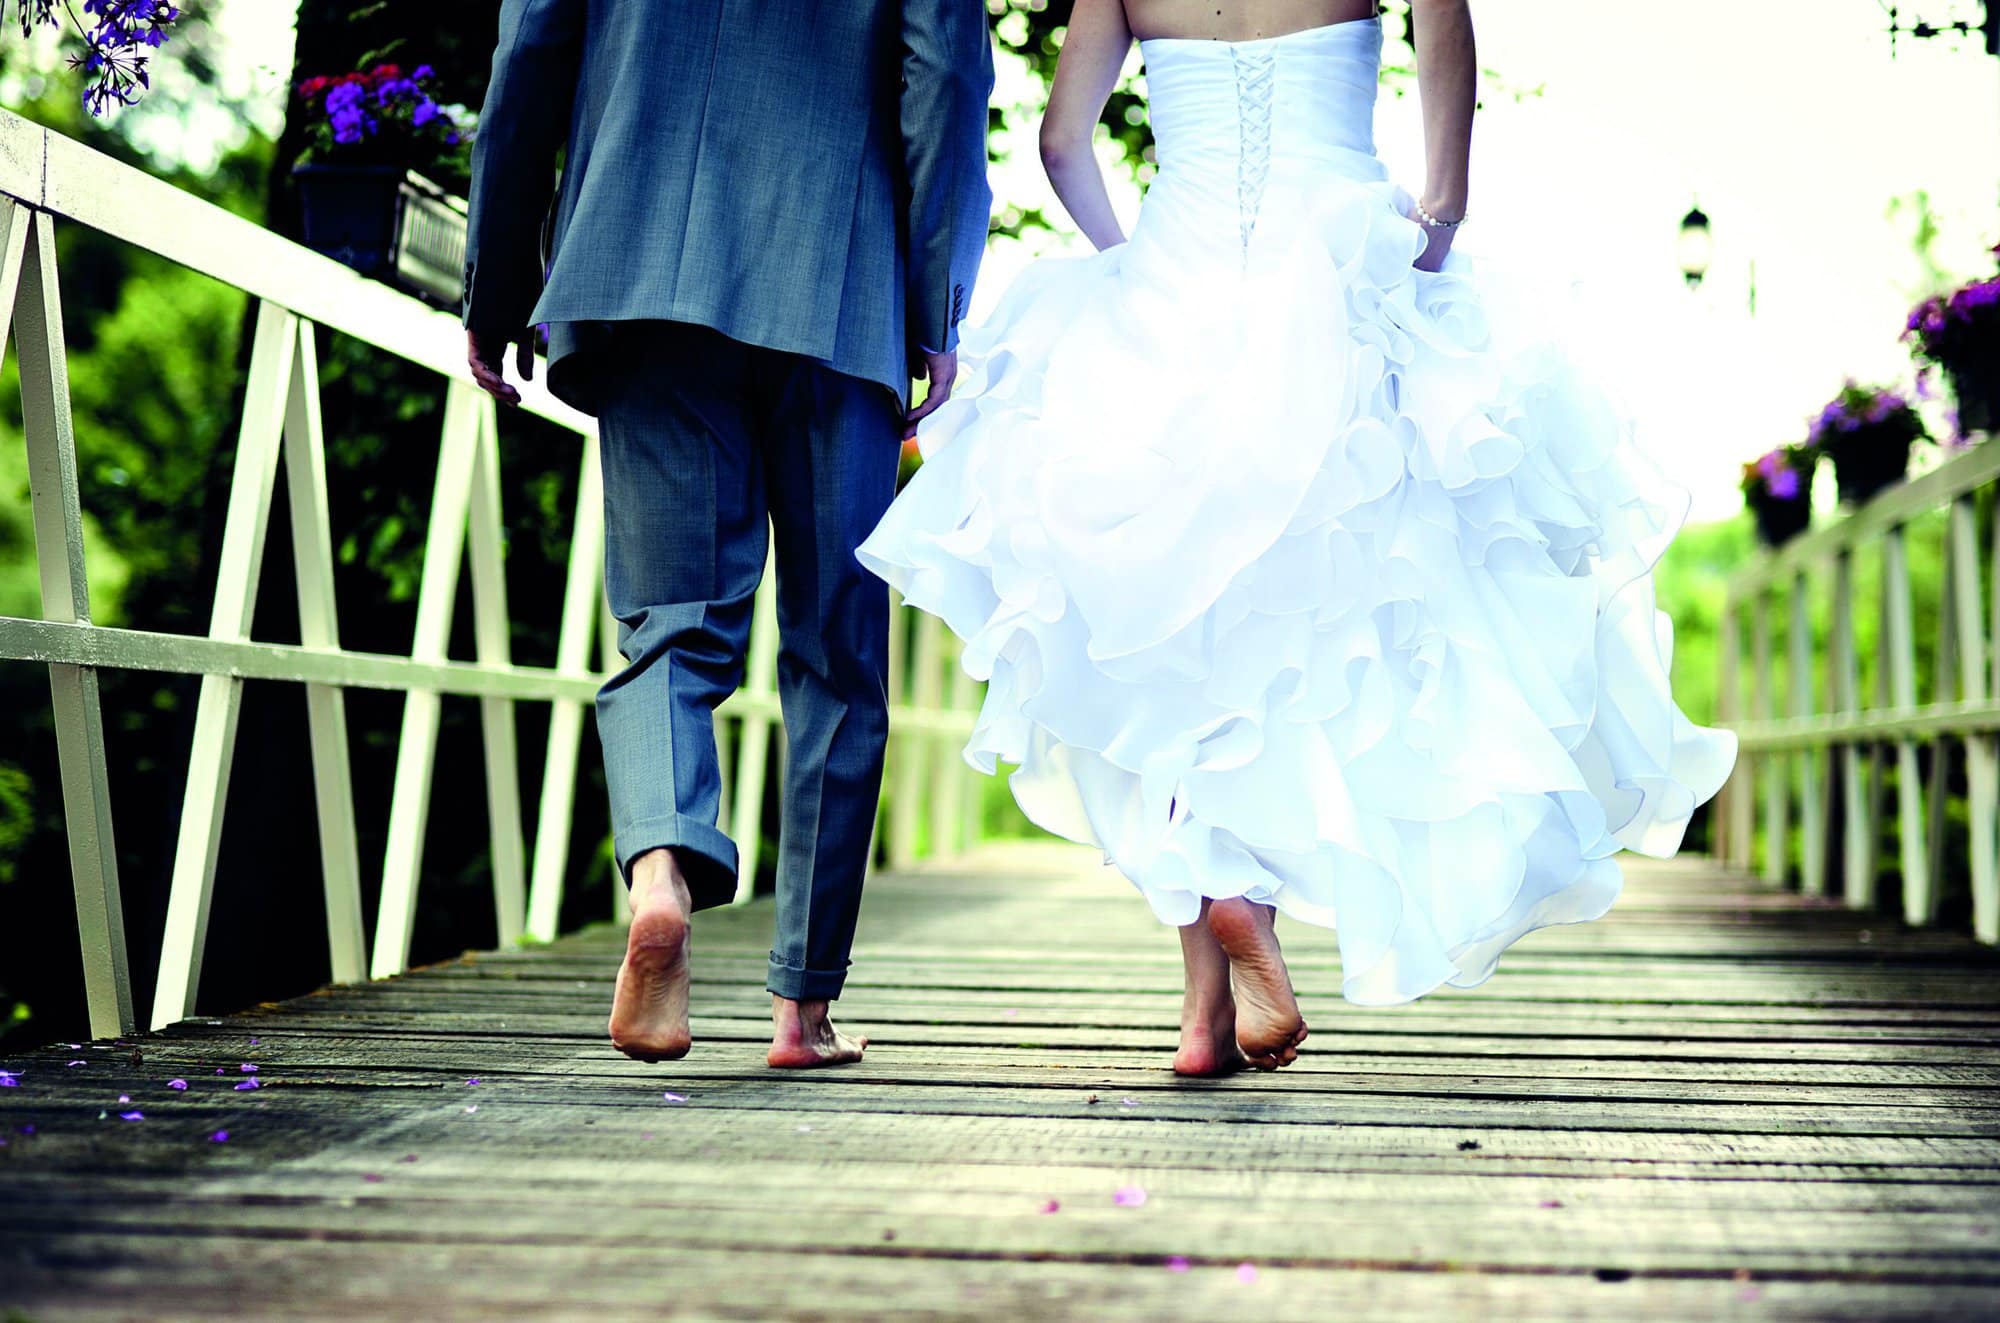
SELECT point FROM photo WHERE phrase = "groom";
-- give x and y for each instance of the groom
(769, 217)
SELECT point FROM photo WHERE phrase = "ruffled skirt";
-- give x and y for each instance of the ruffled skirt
(1296, 575)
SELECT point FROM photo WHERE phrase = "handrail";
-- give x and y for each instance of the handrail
(45, 178)
(1789, 758)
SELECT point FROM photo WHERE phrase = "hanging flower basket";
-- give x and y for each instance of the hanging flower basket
(1867, 432)
(1959, 333)
(390, 224)
(1976, 389)
(363, 199)
(1777, 490)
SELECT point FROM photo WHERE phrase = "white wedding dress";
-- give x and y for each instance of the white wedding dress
(1295, 576)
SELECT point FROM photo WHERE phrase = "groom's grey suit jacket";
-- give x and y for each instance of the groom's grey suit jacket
(805, 175)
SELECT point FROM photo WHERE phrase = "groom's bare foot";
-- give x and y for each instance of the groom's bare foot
(649, 1013)
(1269, 1027)
(803, 1037)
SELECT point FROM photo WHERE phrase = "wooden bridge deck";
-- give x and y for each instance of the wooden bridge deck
(1720, 1102)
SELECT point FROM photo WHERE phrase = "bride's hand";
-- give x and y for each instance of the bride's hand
(1432, 258)
(1437, 242)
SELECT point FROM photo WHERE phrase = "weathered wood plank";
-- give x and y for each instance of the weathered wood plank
(1719, 1098)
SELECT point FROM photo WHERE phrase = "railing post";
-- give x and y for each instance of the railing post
(958, 791)
(1777, 814)
(1861, 807)
(747, 824)
(485, 552)
(326, 708)
(1899, 631)
(1982, 748)
(1809, 763)
(28, 283)
(416, 751)
(556, 809)
(266, 406)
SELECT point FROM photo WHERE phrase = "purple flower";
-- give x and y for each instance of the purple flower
(1785, 484)
(8, 1080)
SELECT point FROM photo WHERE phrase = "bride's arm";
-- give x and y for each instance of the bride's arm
(1093, 52)
(1447, 82)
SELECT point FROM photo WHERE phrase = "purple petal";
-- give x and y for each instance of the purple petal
(407, 1157)
(249, 1069)
(131, 1116)
(473, 1080)
(78, 1062)
(372, 1177)
(1177, 1263)
(219, 1137)
(124, 1097)
(1052, 1206)
(8, 1080)
(1129, 1196)
(246, 1084)
(1246, 1272)
(1552, 1203)
(177, 1084)
(674, 1097)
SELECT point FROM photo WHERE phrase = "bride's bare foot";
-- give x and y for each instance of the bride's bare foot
(803, 1037)
(1208, 1011)
(1269, 1027)
(649, 1012)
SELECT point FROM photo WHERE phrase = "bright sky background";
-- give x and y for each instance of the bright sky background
(1786, 119)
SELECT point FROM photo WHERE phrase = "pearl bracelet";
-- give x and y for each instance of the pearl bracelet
(1425, 218)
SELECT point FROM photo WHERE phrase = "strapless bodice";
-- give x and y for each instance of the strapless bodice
(1239, 125)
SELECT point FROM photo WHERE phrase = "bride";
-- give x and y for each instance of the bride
(1302, 580)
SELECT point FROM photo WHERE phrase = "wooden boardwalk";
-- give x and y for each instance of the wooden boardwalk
(1720, 1102)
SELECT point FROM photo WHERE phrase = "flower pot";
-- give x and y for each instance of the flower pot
(1780, 521)
(388, 223)
(1863, 469)
(1976, 388)
(350, 212)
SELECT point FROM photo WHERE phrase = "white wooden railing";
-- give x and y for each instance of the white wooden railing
(1824, 712)
(48, 180)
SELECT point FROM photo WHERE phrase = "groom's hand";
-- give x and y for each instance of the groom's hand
(941, 370)
(487, 354)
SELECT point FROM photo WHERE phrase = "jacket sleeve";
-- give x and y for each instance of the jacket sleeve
(947, 83)
(524, 122)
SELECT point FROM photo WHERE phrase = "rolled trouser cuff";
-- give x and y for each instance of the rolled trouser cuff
(797, 984)
(707, 856)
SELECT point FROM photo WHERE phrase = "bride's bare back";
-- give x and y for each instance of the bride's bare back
(1237, 20)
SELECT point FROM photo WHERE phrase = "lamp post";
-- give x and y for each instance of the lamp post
(1697, 246)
